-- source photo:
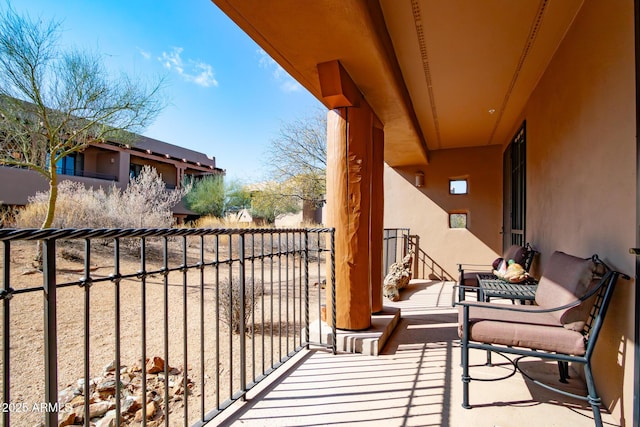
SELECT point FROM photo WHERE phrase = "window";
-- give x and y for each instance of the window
(73, 164)
(458, 186)
(457, 220)
(134, 170)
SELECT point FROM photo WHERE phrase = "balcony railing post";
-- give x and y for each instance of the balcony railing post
(305, 339)
(50, 331)
(6, 372)
(87, 323)
(243, 355)
(334, 333)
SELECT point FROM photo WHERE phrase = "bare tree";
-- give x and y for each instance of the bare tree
(298, 157)
(55, 102)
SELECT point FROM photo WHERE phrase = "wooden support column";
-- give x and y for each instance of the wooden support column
(377, 218)
(349, 141)
(349, 137)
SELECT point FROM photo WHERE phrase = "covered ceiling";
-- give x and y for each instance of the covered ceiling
(439, 74)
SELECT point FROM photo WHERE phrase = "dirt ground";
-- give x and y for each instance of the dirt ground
(190, 300)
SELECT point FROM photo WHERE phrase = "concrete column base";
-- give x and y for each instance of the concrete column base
(368, 342)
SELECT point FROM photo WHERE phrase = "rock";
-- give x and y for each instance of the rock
(77, 401)
(155, 365)
(131, 404)
(152, 407)
(102, 401)
(397, 278)
(108, 385)
(177, 390)
(79, 413)
(107, 421)
(110, 367)
(66, 419)
(66, 396)
(134, 368)
(98, 409)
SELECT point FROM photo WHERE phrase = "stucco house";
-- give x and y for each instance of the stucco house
(110, 163)
(530, 105)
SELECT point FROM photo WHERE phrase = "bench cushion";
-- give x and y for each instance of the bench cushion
(566, 278)
(540, 331)
(470, 278)
(517, 253)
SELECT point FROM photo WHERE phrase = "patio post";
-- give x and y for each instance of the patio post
(348, 207)
(352, 145)
(377, 216)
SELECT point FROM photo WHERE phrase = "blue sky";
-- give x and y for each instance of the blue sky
(227, 97)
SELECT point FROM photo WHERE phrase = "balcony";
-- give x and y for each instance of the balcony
(86, 174)
(133, 313)
(415, 381)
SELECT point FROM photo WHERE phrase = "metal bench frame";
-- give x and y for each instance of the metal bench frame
(530, 253)
(604, 291)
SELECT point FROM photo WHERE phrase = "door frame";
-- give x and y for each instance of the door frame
(509, 192)
(636, 340)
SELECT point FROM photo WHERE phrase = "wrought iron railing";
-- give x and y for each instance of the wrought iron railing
(395, 246)
(167, 325)
(85, 173)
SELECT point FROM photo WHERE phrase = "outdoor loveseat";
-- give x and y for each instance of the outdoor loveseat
(571, 300)
(468, 280)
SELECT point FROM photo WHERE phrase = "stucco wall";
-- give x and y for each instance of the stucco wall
(425, 210)
(581, 157)
(581, 180)
(20, 184)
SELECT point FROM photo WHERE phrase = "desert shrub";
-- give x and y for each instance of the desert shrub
(7, 215)
(230, 309)
(215, 222)
(77, 207)
(145, 202)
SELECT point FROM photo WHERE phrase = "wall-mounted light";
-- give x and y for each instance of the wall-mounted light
(419, 179)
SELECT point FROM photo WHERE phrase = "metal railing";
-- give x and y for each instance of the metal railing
(395, 246)
(85, 173)
(184, 321)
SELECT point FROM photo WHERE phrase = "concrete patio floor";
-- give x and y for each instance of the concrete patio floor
(415, 381)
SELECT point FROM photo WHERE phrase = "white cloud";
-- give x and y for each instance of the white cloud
(144, 53)
(287, 83)
(193, 71)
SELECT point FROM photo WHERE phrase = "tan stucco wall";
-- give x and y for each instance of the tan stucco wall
(20, 184)
(581, 157)
(425, 210)
(581, 180)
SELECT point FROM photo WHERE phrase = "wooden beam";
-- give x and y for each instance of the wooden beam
(337, 87)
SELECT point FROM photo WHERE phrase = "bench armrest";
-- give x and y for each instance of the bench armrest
(456, 291)
(610, 276)
(463, 266)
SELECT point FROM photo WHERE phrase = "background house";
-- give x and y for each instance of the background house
(107, 164)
